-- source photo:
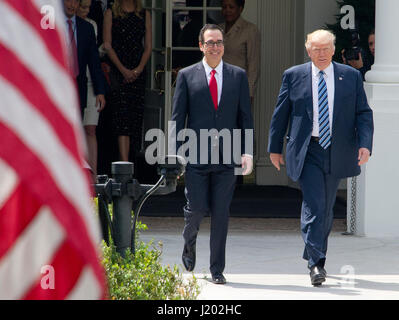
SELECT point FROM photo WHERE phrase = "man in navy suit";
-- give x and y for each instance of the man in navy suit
(81, 42)
(211, 95)
(330, 131)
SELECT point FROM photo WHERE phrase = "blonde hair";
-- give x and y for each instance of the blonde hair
(319, 34)
(119, 12)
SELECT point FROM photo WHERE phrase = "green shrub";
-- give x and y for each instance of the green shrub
(143, 276)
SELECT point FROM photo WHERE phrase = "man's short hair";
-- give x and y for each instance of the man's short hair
(206, 27)
(321, 33)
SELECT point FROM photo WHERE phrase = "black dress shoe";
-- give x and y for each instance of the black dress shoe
(317, 277)
(188, 257)
(323, 271)
(218, 279)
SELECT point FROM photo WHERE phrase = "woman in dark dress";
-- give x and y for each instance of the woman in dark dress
(127, 41)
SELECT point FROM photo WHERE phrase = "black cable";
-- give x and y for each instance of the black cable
(104, 204)
(138, 209)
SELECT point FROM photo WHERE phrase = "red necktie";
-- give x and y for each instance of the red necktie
(213, 87)
(73, 56)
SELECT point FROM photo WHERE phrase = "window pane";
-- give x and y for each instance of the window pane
(214, 17)
(214, 3)
(158, 29)
(160, 4)
(186, 27)
(194, 3)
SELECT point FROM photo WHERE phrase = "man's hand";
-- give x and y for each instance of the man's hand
(364, 155)
(247, 164)
(277, 159)
(100, 102)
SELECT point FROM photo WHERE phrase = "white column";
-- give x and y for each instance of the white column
(378, 185)
(386, 64)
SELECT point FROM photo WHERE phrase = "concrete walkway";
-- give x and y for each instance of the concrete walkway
(264, 261)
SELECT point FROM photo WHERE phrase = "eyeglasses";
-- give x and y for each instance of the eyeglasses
(321, 50)
(210, 44)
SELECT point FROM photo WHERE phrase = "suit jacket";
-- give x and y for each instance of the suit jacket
(352, 126)
(192, 100)
(88, 56)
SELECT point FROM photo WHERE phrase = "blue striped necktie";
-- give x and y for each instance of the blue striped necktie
(324, 119)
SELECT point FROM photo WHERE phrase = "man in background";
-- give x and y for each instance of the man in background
(83, 53)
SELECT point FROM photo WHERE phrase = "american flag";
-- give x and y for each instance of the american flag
(49, 234)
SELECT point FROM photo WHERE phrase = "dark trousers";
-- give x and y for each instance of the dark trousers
(319, 189)
(209, 189)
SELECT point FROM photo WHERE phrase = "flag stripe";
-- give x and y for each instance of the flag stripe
(86, 288)
(50, 37)
(42, 186)
(34, 243)
(54, 77)
(8, 182)
(65, 278)
(46, 146)
(15, 215)
(19, 76)
(46, 219)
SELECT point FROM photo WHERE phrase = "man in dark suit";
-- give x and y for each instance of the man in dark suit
(212, 95)
(330, 133)
(82, 48)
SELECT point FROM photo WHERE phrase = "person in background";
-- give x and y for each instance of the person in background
(82, 53)
(188, 37)
(371, 43)
(366, 57)
(91, 112)
(242, 46)
(128, 44)
(241, 41)
(96, 13)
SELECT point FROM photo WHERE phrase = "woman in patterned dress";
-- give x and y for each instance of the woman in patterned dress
(127, 41)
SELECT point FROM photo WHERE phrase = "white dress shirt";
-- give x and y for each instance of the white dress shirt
(329, 79)
(218, 76)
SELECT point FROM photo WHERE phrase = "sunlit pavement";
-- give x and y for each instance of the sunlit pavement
(264, 261)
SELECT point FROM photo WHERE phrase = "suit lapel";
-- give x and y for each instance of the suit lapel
(307, 80)
(79, 39)
(204, 85)
(339, 86)
(226, 80)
